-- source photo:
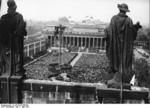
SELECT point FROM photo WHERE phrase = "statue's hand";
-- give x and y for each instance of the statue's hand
(138, 25)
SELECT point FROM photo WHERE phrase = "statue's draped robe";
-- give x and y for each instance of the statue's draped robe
(12, 27)
(120, 36)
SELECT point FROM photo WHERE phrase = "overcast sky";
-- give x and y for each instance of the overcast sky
(79, 9)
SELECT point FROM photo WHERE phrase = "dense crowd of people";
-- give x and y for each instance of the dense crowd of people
(93, 50)
(90, 69)
(28, 59)
(94, 61)
(73, 49)
(39, 69)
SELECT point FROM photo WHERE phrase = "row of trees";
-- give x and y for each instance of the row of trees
(144, 35)
(34, 27)
(62, 20)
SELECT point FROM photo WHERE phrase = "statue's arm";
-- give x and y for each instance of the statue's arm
(21, 27)
(108, 32)
(134, 27)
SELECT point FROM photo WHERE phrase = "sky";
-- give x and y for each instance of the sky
(45, 10)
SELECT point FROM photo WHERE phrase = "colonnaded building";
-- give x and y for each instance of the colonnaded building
(77, 37)
(89, 38)
(86, 36)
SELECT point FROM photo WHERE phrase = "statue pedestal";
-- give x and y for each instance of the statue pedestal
(115, 82)
(10, 89)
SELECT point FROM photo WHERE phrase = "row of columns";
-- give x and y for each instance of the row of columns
(89, 42)
(35, 45)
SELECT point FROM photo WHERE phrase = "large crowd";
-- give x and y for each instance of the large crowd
(93, 60)
(90, 69)
(73, 49)
(93, 50)
(39, 69)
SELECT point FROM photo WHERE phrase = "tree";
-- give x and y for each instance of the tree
(141, 69)
(63, 20)
(149, 38)
(33, 29)
(148, 35)
(142, 35)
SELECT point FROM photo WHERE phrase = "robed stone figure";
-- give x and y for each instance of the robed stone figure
(120, 36)
(12, 32)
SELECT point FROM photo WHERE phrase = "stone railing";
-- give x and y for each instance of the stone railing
(43, 91)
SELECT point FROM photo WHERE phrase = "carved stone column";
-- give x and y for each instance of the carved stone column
(89, 42)
(77, 41)
(101, 44)
(93, 42)
(10, 89)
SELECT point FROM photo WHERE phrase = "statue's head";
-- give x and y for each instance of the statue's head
(123, 7)
(11, 5)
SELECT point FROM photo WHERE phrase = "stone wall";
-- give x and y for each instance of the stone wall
(46, 92)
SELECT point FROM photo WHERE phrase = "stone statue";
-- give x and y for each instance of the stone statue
(12, 32)
(120, 36)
